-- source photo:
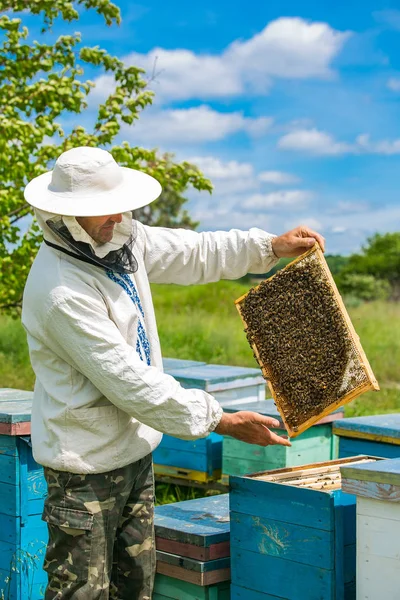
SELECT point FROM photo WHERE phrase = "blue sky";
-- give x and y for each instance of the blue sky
(291, 108)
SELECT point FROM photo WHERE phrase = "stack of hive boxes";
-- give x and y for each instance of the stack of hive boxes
(192, 541)
(23, 535)
(201, 460)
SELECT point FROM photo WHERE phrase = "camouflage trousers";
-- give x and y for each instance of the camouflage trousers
(101, 534)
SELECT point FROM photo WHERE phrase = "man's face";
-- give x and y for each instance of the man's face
(100, 229)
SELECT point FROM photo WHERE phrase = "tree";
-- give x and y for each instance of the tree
(380, 257)
(39, 83)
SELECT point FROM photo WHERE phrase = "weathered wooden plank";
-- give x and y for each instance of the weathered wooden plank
(305, 507)
(8, 445)
(169, 587)
(284, 540)
(189, 564)
(279, 577)
(212, 552)
(200, 522)
(377, 508)
(379, 535)
(382, 471)
(241, 593)
(371, 489)
(377, 577)
(196, 577)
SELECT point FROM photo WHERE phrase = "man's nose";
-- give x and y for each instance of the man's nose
(116, 218)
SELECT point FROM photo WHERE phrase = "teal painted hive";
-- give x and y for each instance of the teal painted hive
(293, 534)
(376, 435)
(23, 535)
(315, 444)
(201, 460)
(192, 541)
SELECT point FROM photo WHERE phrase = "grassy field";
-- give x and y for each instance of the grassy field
(201, 323)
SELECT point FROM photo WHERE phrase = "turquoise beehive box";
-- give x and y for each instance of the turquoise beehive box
(293, 534)
(201, 460)
(23, 535)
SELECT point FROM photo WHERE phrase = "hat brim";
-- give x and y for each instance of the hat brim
(137, 189)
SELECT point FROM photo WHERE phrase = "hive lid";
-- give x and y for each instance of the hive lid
(381, 471)
(201, 522)
(15, 405)
(178, 363)
(216, 377)
(304, 342)
(380, 428)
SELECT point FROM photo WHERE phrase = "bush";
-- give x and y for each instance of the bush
(364, 287)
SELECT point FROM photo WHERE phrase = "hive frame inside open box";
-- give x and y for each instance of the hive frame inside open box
(370, 382)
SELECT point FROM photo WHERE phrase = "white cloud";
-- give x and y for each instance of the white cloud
(394, 84)
(285, 48)
(228, 177)
(338, 229)
(192, 125)
(320, 143)
(313, 141)
(278, 177)
(281, 199)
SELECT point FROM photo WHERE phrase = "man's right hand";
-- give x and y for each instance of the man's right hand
(250, 427)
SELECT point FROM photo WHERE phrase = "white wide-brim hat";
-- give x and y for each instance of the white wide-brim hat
(87, 182)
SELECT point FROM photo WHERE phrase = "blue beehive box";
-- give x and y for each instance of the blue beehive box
(315, 444)
(201, 460)
(23, 535)
(293, 534)
(192, 541)
(376, 435)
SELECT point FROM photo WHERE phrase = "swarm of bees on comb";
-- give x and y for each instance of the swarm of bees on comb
(304, 342)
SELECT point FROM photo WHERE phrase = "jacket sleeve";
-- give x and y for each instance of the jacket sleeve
(187, 257)
(80, 331)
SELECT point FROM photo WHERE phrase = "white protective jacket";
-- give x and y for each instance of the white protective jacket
(97, 404)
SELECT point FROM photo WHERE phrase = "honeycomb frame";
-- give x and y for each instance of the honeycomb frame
(370, 382)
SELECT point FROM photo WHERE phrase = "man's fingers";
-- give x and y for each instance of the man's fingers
(278, 439)
(310, 234)
(267, 421)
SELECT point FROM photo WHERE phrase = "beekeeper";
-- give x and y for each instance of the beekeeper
(101, 399)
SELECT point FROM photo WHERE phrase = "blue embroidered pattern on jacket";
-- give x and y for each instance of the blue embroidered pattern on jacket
(127, 284)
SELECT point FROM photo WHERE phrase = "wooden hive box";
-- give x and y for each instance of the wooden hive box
(192, 541)
(377, 488)
(293, 534)
(201, 460)
(23, 535)
(304, 341)
(315, 444)
(377, 435)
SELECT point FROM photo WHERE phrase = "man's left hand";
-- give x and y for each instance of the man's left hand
(295, 242)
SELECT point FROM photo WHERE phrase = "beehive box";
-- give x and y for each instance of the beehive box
(201, 460)
(315, 444)
(304, 341)
(192, 541)
(377, 488)
(377, 435)
(23, 535)
(293, 534)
